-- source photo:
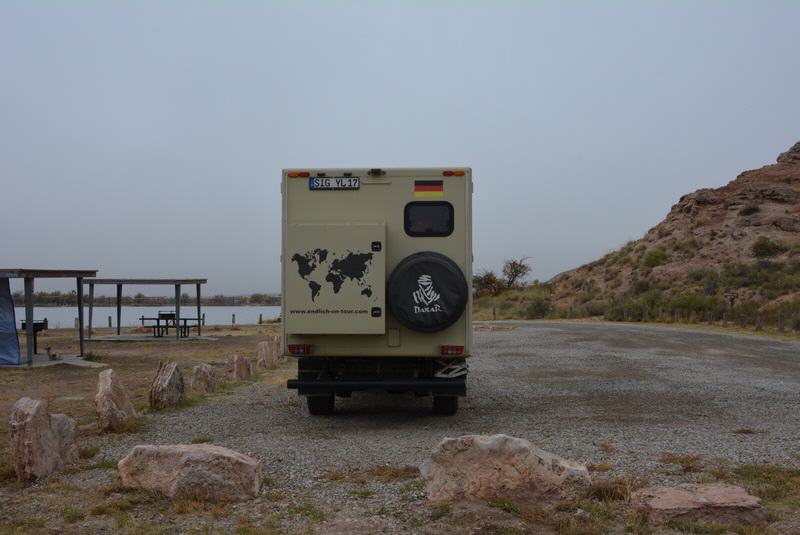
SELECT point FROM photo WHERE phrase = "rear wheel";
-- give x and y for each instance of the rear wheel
(320, 405)
(445, 405)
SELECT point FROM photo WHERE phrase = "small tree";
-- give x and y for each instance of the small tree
(515, 271)
(485, 283)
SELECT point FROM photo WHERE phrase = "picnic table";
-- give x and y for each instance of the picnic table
(168, 319)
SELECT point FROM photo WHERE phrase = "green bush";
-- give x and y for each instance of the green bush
(766, 248)
(654, 258)
(538, 308)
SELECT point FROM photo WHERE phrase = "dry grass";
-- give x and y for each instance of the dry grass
(599, 467)
(193, 506)
(392, 474)
(688, 463)
(612, 489)
(606, 448)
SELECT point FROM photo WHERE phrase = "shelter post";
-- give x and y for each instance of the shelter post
(91, 306)
(29, 333)
(177, 311)
(199, 317)
(79, 281)
(119, 309)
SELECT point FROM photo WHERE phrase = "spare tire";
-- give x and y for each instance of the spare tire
(427, 292)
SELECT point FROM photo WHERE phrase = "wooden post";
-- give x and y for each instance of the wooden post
(759, 322)
(260, 318)
(119, 309)
(199, 329)
(177, 311)
(725, 319)
(204, 319)
(233, 319)
(110, 324)
(29, 334)
(91, 307)
(80, 313)
(781, 326)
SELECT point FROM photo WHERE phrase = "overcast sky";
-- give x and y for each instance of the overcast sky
(147, 139)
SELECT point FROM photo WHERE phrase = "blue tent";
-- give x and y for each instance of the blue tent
(9, 341)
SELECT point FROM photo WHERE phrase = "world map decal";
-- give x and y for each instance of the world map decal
(349, 268)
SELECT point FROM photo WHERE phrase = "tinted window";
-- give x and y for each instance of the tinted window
(429, 218)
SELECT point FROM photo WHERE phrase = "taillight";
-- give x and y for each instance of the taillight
(452, 350)
(452, 173)
(300, 174)
(300, 349)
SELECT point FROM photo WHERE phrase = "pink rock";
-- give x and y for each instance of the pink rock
(204, 379)
(238, 367)
(480, 466)
(167, 389)
(714, 502)
(197, 471)
(277, 349)
(265, 358)
(112, 403)
(42, 443)
(270, 353)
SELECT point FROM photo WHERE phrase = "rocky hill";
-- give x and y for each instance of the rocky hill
(742, 238)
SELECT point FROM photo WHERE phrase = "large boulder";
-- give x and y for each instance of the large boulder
(238, 367)
(42, 443)
(204, 379)
(196, 471)
(167, 389)
(715, 502)
(480, 466)
(112, 403)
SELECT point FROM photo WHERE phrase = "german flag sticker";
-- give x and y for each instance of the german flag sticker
(428, 188)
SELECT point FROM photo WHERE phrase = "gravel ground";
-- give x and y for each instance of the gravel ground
(615, 393)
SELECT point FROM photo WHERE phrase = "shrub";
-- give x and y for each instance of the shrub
(766, 248)
(537, 309)
(654, 258)
(750, 209)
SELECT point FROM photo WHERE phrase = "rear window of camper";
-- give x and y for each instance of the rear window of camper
(431, 218)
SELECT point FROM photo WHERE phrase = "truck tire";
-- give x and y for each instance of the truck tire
(320, 405)
(427, 292)
(445, 405)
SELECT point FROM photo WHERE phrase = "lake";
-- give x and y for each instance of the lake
(64, 317)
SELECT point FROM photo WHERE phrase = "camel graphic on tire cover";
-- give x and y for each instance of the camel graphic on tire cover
(425, 295)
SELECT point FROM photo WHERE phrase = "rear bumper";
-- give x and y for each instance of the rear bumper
(322, 387)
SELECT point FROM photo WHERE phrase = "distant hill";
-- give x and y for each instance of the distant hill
(742, 239)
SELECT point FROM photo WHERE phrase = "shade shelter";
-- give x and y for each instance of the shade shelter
(148, 282)
(28, 275)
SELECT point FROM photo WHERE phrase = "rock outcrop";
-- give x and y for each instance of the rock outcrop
(42, 443)
(204, 379)
(238, 367)
(716, 502)
(167, 389)
(479, 466)
(112, 403)
(196, 471)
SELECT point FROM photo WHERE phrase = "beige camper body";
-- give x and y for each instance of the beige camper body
(344, 232)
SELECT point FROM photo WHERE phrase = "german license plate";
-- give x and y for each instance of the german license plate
(334, 182)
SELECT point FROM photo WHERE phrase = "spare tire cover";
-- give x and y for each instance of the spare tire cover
(427, 292)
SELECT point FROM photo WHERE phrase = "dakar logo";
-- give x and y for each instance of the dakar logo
(426, 296)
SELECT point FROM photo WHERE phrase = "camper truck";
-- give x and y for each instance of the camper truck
(377, 282)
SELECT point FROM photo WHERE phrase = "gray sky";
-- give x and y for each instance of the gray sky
(147, 139)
